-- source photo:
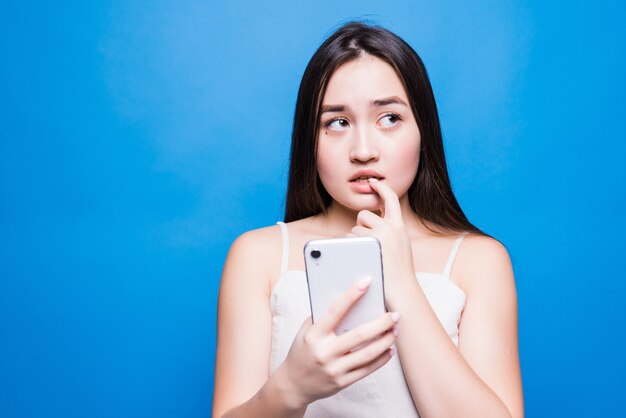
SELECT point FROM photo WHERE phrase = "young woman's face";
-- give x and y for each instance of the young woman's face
(367, 129)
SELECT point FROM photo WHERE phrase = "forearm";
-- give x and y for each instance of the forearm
(274, 399)
(440, 380)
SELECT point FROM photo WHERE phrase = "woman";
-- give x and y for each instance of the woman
(367, 159)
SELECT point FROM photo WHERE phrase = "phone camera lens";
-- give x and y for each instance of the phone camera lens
(316, 254)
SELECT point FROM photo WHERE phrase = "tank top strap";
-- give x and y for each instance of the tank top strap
(284, 262)
(455, 248)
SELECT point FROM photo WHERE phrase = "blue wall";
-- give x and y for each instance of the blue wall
(138, 139)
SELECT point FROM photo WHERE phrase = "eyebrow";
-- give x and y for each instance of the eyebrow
(388, 100)
(375, 103)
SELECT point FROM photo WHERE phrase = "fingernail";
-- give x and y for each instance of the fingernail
(395, 316)
(395, 330)
(373, 179)
(364, 283)
(392, 351)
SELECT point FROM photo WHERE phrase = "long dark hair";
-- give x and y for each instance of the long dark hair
(430, 195)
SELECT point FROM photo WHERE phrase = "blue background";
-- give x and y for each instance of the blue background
(138, 139)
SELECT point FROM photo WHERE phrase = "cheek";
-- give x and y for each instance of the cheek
(405, 167)
(320, 159)
(412, 154)
(329, 151)
(324, 163)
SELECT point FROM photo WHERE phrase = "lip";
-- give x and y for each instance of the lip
(366, 173)
(363, 187)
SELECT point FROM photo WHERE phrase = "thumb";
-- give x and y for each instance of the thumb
(306, 325)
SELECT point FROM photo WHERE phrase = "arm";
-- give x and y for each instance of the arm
(488, 329)
(482, 377)
(319, 362)
(244, 335)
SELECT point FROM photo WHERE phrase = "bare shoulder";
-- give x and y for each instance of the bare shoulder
(258, 242)
(483, 261)
(257, 251)
(244, 318)
(483, 249)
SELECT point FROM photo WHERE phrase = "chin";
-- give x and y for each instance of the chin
(372, 203)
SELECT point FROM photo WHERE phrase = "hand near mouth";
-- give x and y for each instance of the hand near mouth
(390, 209)
(360, 181)
(390, 230)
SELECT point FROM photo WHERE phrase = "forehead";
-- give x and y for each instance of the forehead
(364, 79)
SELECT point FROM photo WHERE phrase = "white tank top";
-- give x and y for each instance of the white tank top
(384, 393)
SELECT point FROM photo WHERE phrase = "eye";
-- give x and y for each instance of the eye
(389, 120)
(337, 124)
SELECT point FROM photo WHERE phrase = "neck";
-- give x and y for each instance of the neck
(339, 220)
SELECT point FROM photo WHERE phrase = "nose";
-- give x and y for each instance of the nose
(364, 148)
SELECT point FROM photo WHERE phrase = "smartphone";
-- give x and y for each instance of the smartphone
(333, 265)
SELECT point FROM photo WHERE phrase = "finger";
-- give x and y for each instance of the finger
(368, 219)
(367, 331)
(361, 231)
(307, 323)
(304, 328)
(361, 372)
(366, 354)
(391, 207)
(337, 310)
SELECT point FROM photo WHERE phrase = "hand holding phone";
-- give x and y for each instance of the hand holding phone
(320, 363)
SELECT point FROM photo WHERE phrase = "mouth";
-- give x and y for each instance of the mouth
(363, 177)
